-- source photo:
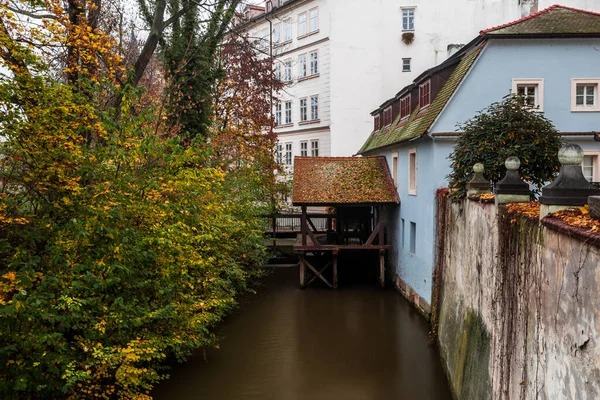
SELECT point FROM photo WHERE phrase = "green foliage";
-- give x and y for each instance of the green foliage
(113, 256)
(505, 129)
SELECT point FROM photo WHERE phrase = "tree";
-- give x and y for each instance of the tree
(504, 129)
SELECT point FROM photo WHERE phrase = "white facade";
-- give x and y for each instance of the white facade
(361, 56)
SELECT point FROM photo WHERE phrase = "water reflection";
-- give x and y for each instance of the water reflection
(355, 343)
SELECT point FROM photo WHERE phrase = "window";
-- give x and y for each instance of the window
(405, 107)
(302, 24)
(314, 148)
(288, 112)
(314, 107)
(584, 96)
(264, 38)
(530, 91)
(403, 233)
(279, 153)
(278, 71)
(387, 116)
(412, 171)
(287, 72)
(413, 238)
(313, 16)
(376, 123)
(303, 110)
(302, 65)
(395, 169)
(277, 33)
(278, 114)
(288, 154)
(304, 149)
(287, 30)
(591, 166)
(406, 65)
(314, 62)
(408, 19)
(425, 94)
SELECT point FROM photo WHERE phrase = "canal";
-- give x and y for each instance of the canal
(357, 343)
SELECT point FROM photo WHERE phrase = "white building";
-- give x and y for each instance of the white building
(342, 56)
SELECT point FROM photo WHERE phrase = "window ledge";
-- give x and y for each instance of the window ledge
(412, 192)
(284, 126)
(408, 30)
(280, 44)
(585, 109)
(308, 34)
(305, 78)
(312, 121)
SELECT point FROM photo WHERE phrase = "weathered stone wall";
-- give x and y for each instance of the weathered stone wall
(519, 312)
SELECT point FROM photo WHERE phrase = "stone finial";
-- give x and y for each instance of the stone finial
(478, 184)
(570, 188)
(512, 189)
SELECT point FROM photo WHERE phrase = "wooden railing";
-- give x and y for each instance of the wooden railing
(290, 223)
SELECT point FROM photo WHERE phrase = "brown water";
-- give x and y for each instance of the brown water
(356, 343)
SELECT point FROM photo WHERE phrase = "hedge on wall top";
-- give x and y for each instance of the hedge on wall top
(504, 129)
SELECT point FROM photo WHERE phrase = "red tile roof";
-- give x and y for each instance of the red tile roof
(555, 19)
(342, 180)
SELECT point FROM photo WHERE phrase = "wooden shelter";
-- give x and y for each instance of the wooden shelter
(357, 188)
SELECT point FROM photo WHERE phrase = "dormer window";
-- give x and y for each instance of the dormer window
(405, 107)
(425, 94)
(387, 116)
(376, 124)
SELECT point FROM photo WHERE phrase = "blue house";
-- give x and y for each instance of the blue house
(551, 59)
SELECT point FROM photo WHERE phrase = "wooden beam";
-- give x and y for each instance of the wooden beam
(335, 269)
(374, 234)
(311, 224)
(382, 268)
(302, 271)
(303, 225)
(317, 273)
(321, 272)
(310, 234)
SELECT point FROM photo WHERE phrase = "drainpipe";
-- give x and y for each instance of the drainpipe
(270, 2)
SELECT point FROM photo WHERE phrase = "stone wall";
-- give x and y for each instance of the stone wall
(518, 311)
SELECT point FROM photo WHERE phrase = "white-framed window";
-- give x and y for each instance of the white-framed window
(591, 166)
(314, 148)
(279, 153)
(303, 109)
(287, 29)
(412, 171)
(278, 114)
(408, 19)
(314, 107)
(264, 38)
(585, 95)
(302, 24)
(376, 125)
(395, 169)
(313, 19)
(278, 71)
(406, 65)
(276, 33)
(288, 112)
(304, 148)
(288, 153)
(314, 62)
(530, 91)
(425, 94)
(287, 70)
(302, 67)
(387, 116)
(405, 107)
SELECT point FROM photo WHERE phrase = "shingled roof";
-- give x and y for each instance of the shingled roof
(420, 120)
(322, 181)
(555, 20)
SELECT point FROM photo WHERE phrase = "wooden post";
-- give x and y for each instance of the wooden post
(303, 225)
(302, 271)
(335, 272)
(382, 267)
